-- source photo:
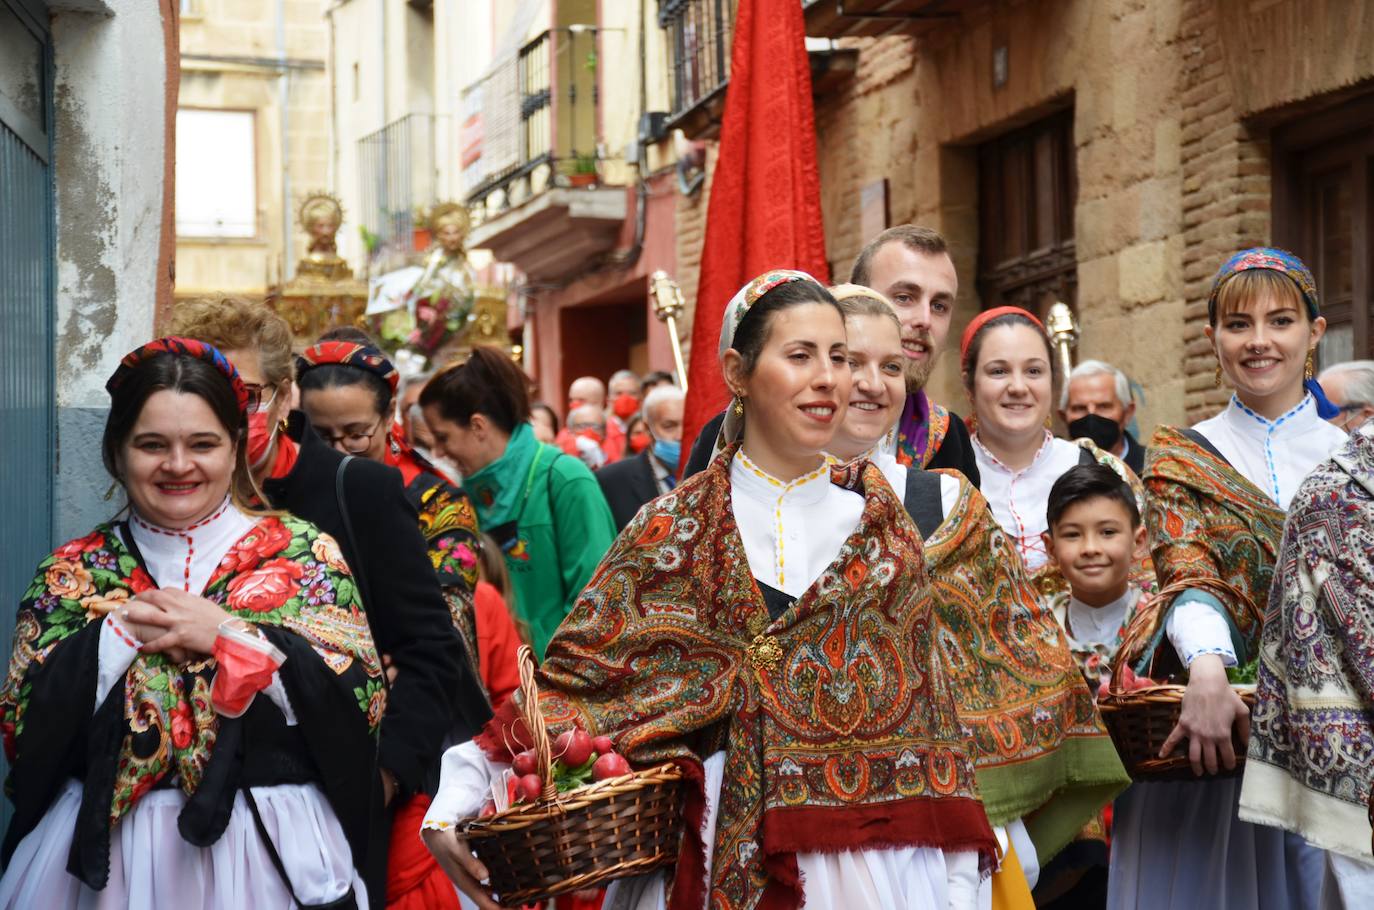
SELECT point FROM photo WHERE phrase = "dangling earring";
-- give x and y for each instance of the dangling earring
(1308, 372)
(739, 407)
(1049, 421)
(109, 494)
(972, 423)
(1217, 381)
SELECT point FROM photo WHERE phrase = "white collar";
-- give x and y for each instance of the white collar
(186, 557)
(1293, 422)
(1100, 624)
(753, 481)
(1045, 447)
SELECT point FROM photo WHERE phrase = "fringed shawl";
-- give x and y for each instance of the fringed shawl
(839, 733)
(1038, 742)
(922, 428)
(1312, 737)
(1212, 531)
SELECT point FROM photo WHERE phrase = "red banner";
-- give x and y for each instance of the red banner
(765, 206)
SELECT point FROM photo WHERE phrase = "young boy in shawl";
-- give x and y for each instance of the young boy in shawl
(1095, 537)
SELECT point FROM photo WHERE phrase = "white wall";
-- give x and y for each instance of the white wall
(108, 139)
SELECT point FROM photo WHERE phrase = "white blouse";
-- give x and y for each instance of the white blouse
(1100, 625)
(1274, 455)
(1019, 498)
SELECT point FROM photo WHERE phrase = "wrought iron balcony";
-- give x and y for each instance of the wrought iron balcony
(396, 169)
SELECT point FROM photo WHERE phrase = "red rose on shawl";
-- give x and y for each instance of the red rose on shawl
(267, 587)
(182, 725)
(74, 548)
(269, 538)
(140, 581)
(142, 786)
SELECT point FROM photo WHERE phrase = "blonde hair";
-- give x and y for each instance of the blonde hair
(236, 324)
(1239, 291)
(857, 300)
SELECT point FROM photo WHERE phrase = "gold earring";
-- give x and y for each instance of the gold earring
(1049, 421)
(1217, 381)
(972, 423)
(739, 407)
(1308, 371)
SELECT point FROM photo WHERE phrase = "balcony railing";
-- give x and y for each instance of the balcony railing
(396, 168)
(536, 111)
(699, 37)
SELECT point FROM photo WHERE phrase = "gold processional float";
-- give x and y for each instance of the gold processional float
(425, 314)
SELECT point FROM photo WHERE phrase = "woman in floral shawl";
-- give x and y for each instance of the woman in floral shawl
(193, 696)
(1312, 740)
(1217, 497)
(767, 626)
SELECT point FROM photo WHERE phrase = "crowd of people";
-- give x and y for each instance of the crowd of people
(871, 632)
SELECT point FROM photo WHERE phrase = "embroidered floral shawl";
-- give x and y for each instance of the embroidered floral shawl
(1038, 741)
(1211, 530)
(282, 573)
(1312, 737)
(921, 430)
(449, 525)
(838, 732)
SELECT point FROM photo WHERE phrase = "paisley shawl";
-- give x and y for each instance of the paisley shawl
(282, 573)
(839, 732)
(921, 430)
(1312, 736)
(1211, 530)
(1038, 743)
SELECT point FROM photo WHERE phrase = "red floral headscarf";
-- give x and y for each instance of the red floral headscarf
(182, 347)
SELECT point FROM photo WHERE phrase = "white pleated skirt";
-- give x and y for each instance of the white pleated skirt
(1180, 845)
(152, 868)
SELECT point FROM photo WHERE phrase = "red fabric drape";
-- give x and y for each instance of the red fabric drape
(765, 206)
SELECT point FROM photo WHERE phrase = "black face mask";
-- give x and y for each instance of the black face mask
(1105, 433)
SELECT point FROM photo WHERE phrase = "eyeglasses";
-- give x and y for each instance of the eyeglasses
(354, 443)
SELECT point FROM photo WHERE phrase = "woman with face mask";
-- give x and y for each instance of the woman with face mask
(193, 696)
(436, 696)
(1020, 678)
(775, 610)
(1218, 493)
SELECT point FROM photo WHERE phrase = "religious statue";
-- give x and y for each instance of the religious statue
(323, 292)
(424, 306)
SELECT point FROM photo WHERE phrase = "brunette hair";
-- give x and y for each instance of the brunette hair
(186, 375)
(487, 383)
(237, 324)
(545, 409)
(975, 344)
(1242, 287)
(341, 375)
(1089, 481)
(754, 328)
(911, 236)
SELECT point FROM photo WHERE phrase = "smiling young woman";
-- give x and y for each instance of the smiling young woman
(713, 604)
(224, 628)
(1217, 497)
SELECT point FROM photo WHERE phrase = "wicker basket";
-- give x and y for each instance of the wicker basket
(1140, 721)
(582, 838)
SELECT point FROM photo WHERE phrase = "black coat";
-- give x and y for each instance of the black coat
(1135, 455)
(436, 692)
(627, 484)
(955, 451)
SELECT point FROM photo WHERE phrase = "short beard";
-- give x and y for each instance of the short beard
(918, 374)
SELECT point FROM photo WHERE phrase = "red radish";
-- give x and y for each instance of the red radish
(1103, 689)
(573, 748)
(526, 762)
(531, 787)
(488, 810)
(602, 744)
(610, 765)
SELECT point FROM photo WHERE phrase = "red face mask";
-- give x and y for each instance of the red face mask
(625, 405)
(260, 439)
(575, 403)
(591, 434)
(639, 442)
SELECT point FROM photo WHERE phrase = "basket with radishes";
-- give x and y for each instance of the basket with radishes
(571, 813)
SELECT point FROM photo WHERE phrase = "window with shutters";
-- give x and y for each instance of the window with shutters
(1323, 173)
(1026, 189)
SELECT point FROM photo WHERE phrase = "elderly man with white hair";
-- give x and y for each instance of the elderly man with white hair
(1098, 404)
(631, 482)
(1350, 386)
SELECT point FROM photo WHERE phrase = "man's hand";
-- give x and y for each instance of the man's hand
(458, 863)
(1210, 709)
